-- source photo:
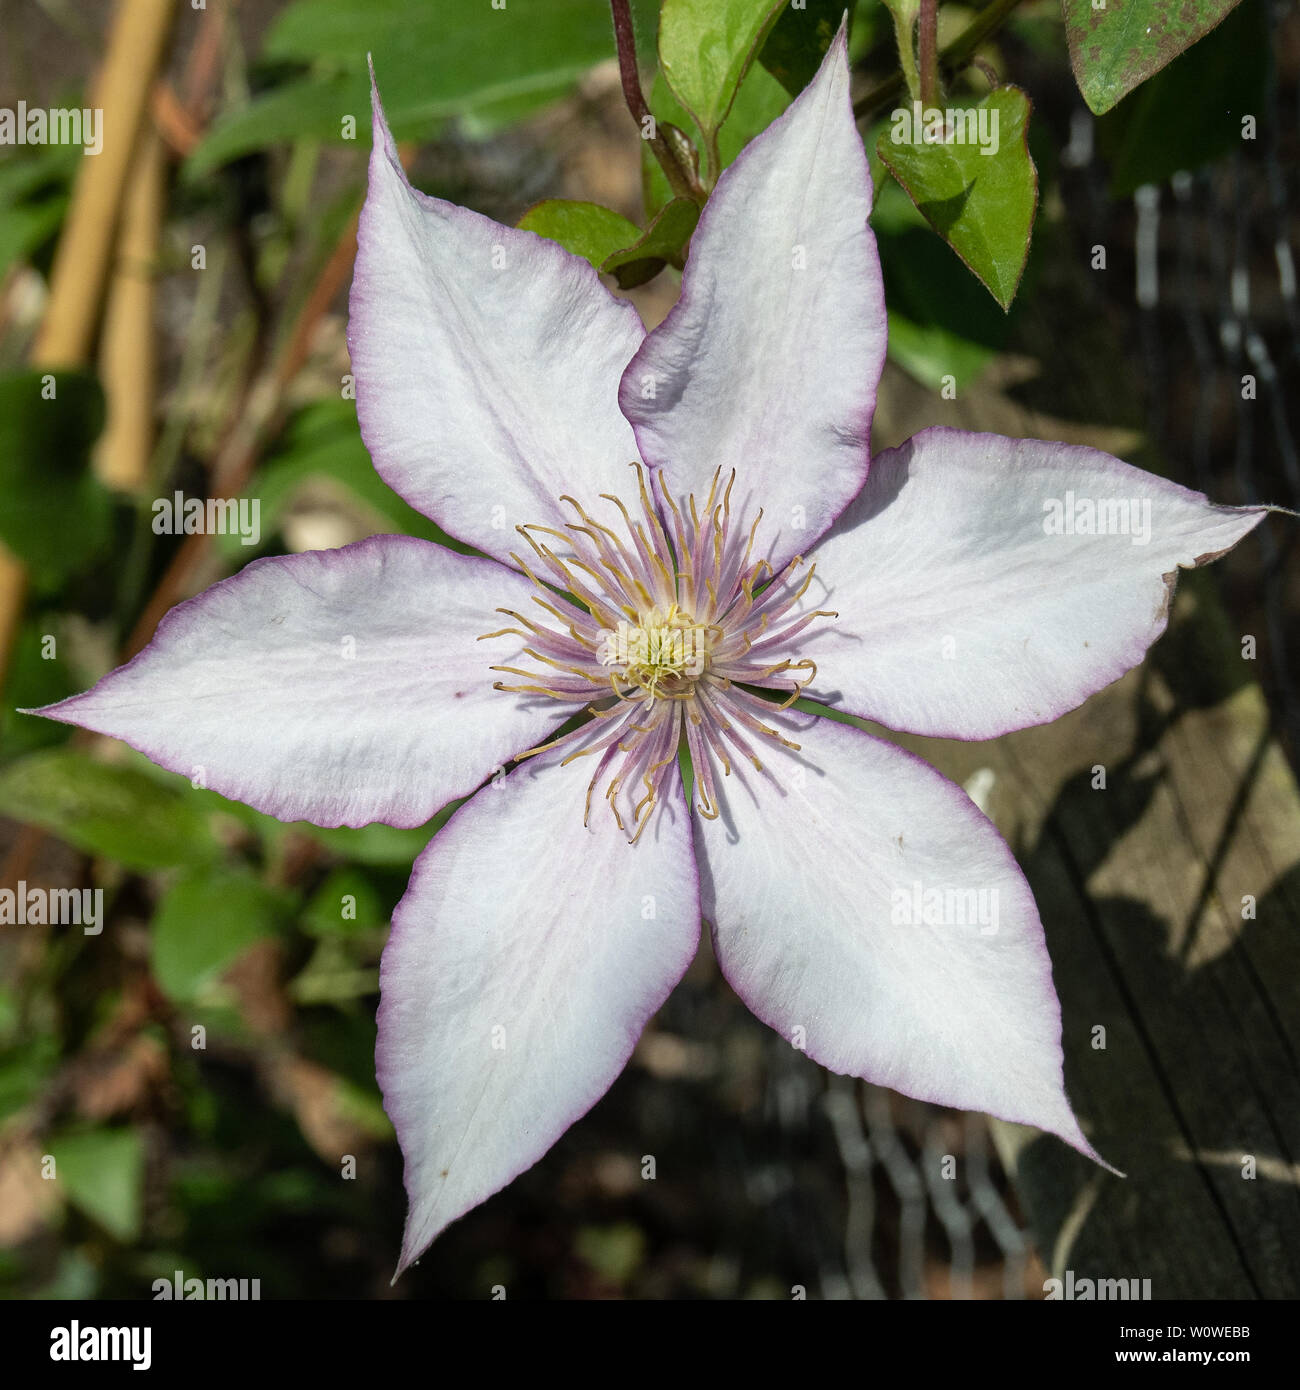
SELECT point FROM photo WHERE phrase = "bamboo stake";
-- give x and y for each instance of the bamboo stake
(135, 49)
(13, 594)
(127, 349)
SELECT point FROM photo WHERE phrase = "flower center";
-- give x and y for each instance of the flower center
(672, 634)
(663, 653)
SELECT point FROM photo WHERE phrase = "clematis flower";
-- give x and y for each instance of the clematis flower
(679, 536)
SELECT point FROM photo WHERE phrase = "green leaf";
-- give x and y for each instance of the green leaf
(33, 197)
(942, 324)
(25, 1072)
(1114, 48)
(904, 13)
(346, 902)
(586, 229)
(458, 55)
(206, 920)
(101, 808)
(982, 204)
(363, 1108)
(54, 515)
(799, 40)
(332, 976)
(1191, 113)
(664, 242)
(431, 67)
(705, 52)
(207, 804)
(38, 170)
(934, 355)
(35, 679)
(610, 242)
(312, 107)
(380, 845)
(23, 229)
(101, 1172)
(75, 1276)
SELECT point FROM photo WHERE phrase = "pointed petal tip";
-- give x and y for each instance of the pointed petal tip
(417, 1242)
(430, 413)
(381, 135)
(1048, 615)
(65, 711)
(803, 183)
(1074, 1136)
(960, 1018)
(52, 710)
(408, 1256)
(839, 45)
(293, 725)
(473, 1107)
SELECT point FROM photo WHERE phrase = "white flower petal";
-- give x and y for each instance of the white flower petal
(810, 877)
(769, 362)
(487, 363)
(337, 686)
(962, 613)
(525, 959)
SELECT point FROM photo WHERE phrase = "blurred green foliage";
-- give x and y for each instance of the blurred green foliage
(432, 65)
(117, 811)
(55, 516)
(33, 199)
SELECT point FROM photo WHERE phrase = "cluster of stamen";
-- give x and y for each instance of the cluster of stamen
(661, 631)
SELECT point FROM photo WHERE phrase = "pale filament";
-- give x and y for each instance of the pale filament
(660, 629)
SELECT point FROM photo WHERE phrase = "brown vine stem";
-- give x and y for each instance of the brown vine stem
(682, 178)
(928, 53)
(951, 58)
